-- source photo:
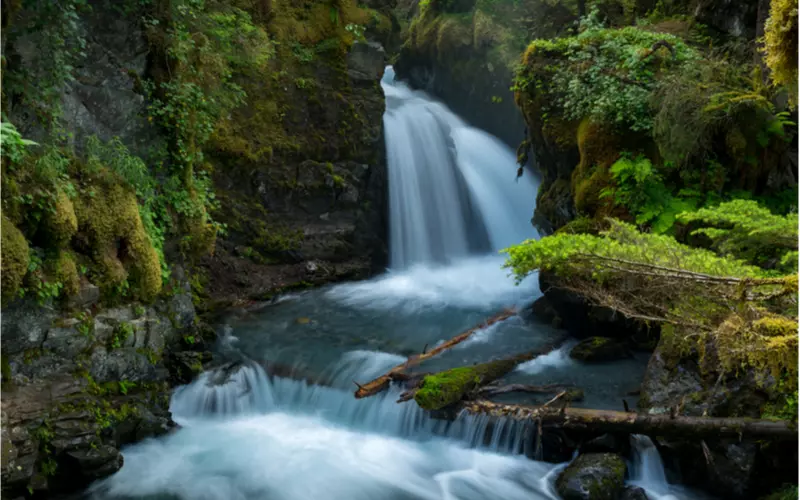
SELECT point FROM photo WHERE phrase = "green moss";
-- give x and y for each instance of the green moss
(15, 259)
(65, 271)
(61, 223)
(780, 44)
(445, 388)
(584, 225)
(119, 244)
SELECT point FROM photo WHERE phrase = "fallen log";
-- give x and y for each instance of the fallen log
(399, 372)
(532, 389)
(451, 386)
(633, 423)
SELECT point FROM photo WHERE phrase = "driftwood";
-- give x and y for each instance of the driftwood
(633, 423)
(399, 372)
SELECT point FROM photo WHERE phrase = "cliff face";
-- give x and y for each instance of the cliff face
(147, 195)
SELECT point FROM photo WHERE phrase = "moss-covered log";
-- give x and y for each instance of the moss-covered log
(634, 423)
(399, 372)
(451, 386)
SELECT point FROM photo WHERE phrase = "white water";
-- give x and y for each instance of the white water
(451, 187)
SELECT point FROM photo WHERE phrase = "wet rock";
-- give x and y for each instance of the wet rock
(544, 311)
(593, 476)
(366, 61)
(633, 493)
(599, 349)
(65, 340)
(185, 366)
(87, 465)
(143, 425)
(182, 310)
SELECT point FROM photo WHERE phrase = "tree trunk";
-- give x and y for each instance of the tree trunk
(633, 423)
(399, 372)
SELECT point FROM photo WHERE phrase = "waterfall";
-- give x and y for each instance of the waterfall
(452, 191)
(647, 472)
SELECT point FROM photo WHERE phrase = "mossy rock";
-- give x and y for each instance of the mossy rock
(15, 259)
(118, 242)
(61, 224)
(584, 225)
(599, 349)
(65, 271)
(593, 476)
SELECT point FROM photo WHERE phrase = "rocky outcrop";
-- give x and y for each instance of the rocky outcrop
(728, 468)
(593, 476)
(79, 384)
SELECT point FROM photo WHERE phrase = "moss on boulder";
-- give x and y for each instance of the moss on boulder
(119, 244)
(14, 259)
(64, 270)
(593, 476)
(61, 224)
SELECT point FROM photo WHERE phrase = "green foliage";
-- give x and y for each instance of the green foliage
(12, 145)
(125, 385)
(121, 334)
(744, 229)
(605, 74)
(60, 44)
(704, 302)
(205, 41)
(640, 188)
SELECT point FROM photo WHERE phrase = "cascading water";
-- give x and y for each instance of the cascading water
(245, 435)
(449, 189)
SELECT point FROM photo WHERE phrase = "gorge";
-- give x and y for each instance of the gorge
(220, 219)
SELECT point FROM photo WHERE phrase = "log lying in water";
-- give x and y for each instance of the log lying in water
(633, 423)
(495, 390)
(399, 372)
(445, 388)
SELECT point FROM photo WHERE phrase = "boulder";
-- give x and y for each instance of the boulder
(633, 493)
(366, 61)
(185, 366)
(593, 476)
(544, 311)
(599, 349)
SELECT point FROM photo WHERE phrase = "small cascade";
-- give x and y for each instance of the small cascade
(647, 472)
(246, 390)
(452, 191)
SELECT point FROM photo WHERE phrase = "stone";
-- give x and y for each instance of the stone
(185, 366)
(543, 310)
(122, 364)
(633, 493)
(182, 310)
(599, 349)
(65, 340)
(592, 476)
(93, 463)
(87, 296)
(366, 61)
(24, 326)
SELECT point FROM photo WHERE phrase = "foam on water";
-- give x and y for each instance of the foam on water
(556, 359)
(289, 457)
(466, 283)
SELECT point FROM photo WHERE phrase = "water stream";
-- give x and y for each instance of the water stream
(245, 435)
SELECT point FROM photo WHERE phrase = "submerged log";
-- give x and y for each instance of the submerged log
(633, 423)
(532, 389)
(399, 372)
(451, 386)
